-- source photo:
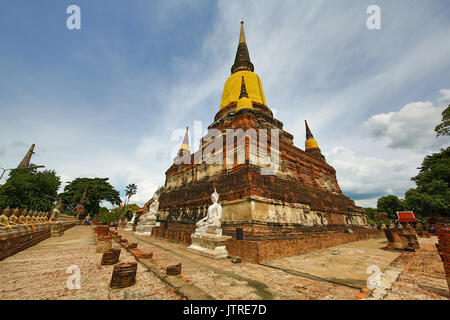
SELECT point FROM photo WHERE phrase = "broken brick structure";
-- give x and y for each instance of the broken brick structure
(268, 187)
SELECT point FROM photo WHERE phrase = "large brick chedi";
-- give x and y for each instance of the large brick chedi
(267, 186)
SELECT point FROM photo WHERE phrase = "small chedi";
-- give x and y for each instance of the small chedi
(208, 239)
(79, 208)
(148, 220)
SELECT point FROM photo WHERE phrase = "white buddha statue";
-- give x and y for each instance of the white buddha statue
(213, 217)
(153, 210)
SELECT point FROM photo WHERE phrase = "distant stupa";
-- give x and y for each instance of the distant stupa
(26, 160)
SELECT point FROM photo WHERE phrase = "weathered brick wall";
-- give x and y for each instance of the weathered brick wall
(14, 244)
(176, 232)
(260, 250)
(263, 242)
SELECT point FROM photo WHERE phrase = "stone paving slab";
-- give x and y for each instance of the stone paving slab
(39, 273)
(345, 264)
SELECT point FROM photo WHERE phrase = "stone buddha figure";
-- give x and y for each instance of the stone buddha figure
(4, 220)
(33, 215)
(214, 215)
(22, 218)
(208, 239)
(42, 218)
(153, 210)
(56, 211)
(29, 219)
(14, 219)
(46, 215)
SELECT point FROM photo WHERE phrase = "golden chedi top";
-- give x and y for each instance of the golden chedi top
(310, 142)
(242, 67)
(244, 102)
(185, 145)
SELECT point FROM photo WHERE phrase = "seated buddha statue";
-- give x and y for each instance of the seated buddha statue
(19, 219)
(4, 220)
(14, 219)
(46, 217)
(41, 218)
(36, 219)
(214, 215)
(23, 219)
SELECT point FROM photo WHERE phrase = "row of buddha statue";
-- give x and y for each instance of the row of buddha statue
(17, 221)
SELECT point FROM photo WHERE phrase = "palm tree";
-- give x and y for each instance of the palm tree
(130, 191)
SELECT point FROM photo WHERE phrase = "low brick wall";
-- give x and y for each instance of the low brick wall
(176, 232)
(260, 250)
(16, 243)
(19, 242)
(67, 225)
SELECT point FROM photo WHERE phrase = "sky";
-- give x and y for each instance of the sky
(113, 98)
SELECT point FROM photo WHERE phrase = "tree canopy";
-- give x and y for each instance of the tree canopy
(30, 189)
(99, 189)
(390, 205)
(443, 129)
(431, 197)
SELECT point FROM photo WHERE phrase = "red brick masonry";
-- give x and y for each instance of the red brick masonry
(260, 250)
(16, 243)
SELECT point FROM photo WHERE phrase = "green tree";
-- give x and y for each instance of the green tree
(431, 197)
(99, 190)
(128, 210)
(390, 204)
(108, 216)
(29, 189)
(443, 129)
(130, 191)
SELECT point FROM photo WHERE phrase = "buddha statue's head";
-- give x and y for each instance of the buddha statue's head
(16, 212)
(215, 196)
(7, 212)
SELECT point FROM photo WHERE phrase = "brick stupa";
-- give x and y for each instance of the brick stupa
(300, 195)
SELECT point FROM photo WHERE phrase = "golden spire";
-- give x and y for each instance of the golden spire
(242, 60)
(242, 34)
(244, 101)
(185, 144)
(310, 142)
(26, 160)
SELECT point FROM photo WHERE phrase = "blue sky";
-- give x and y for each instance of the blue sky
(109, 100)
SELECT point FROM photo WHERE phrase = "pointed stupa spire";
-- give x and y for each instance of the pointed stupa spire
(244, 93)
(185, 144)
(244, 101)
(310, 142)
(308, 132)
(26, 160)
(242, 60)
(83, 198)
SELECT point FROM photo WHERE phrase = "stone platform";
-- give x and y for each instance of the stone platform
(210, 244)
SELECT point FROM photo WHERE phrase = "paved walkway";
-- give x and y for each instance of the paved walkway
(39, 272)
(334, 273)
(225, 280)
(423, 277)
(346, 264)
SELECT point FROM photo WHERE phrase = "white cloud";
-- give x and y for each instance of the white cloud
(412, 127)
(367, 178)
(317, 61)
(445, 99)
